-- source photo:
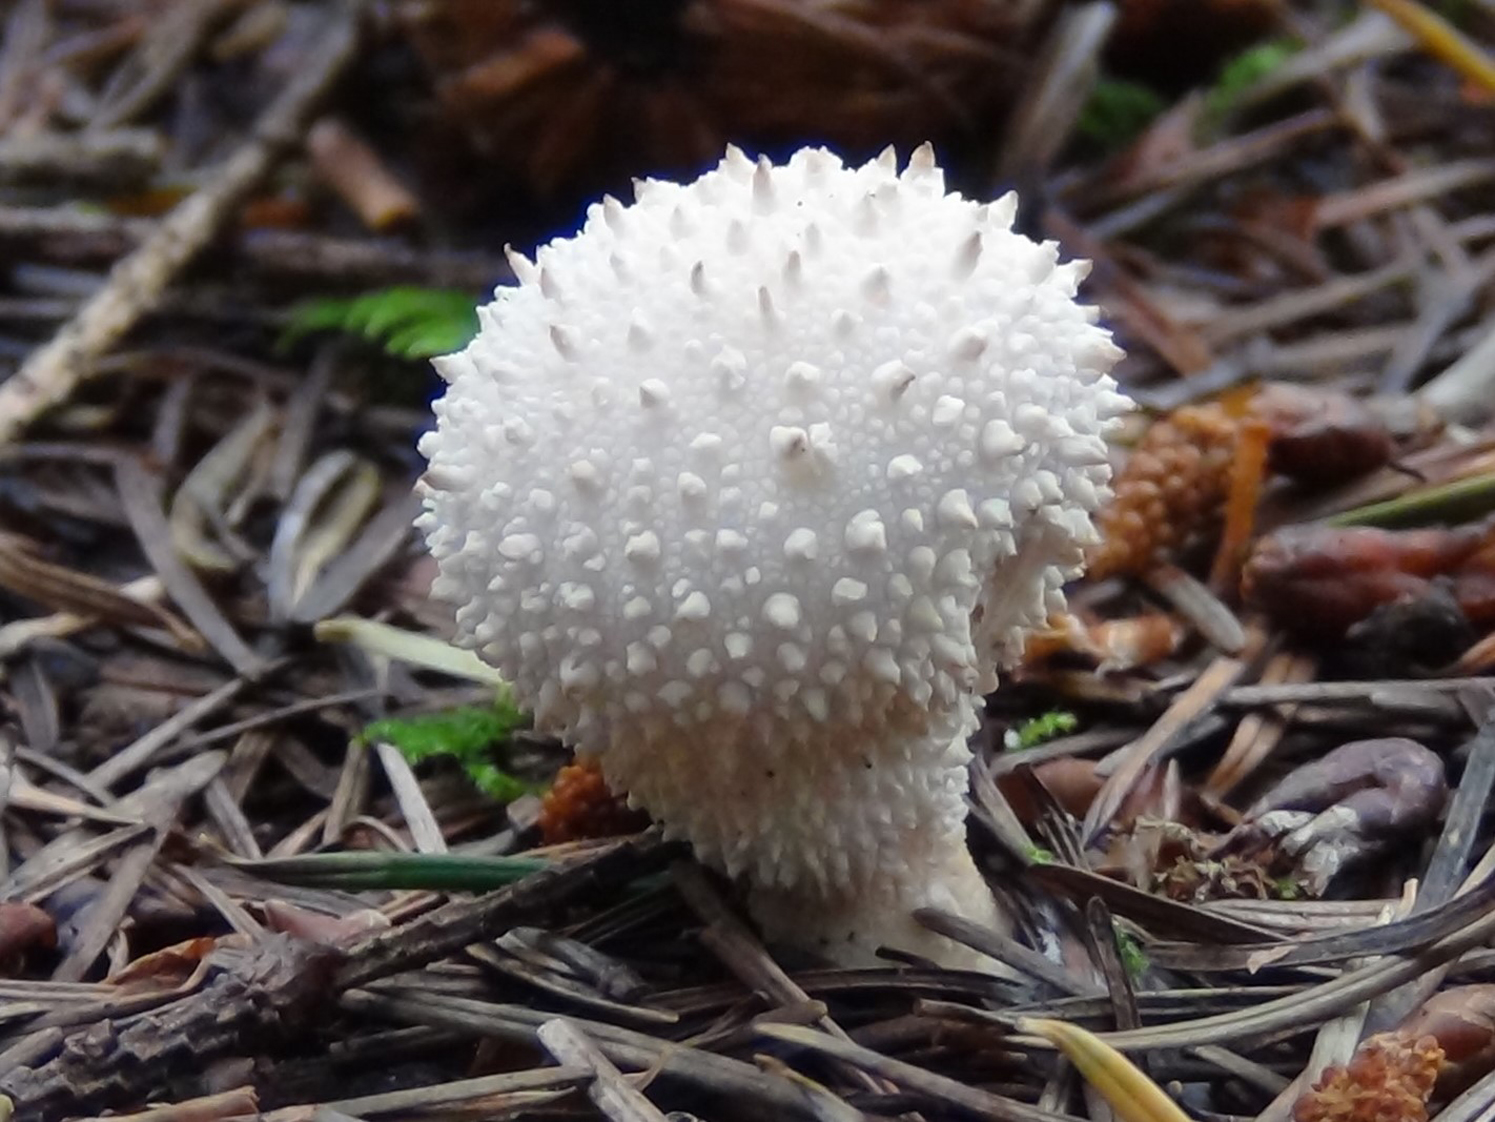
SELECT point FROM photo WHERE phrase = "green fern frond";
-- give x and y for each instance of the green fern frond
(466, 735)
(1117, 112)
(1046, 726)
(1245, 70)
(405, 321)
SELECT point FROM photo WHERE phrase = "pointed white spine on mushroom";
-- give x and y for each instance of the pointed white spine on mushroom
(763, 194)
(782, 610)
(892, 379)
(653, 392)
(794, 271)
(801, 545)
(967, 257)
(766, 310)
(789, 442)
(564, 340)
(524, 269)
(640, 337)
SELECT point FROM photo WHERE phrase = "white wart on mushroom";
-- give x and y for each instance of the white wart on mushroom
(749, 488)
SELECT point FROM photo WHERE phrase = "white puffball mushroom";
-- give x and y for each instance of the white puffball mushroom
(749, 488)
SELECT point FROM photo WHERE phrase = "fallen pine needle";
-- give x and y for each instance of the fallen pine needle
(1442, 40)
(1133, 1096)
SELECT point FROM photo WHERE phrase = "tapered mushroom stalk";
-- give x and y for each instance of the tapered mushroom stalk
(750, 487)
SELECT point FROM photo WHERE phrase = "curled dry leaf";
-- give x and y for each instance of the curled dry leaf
(1074, 783)
(1389, 1077)
(24, 928)
(176, 964)
(1112, 644)
(1170, 859)
(317, 927)
(579, 805)
(1344, 807)
(1317, 581)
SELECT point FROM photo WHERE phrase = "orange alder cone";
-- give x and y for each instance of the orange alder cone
(579, 805)
(1389, 1079)
(1172, 488)
(1177, 482)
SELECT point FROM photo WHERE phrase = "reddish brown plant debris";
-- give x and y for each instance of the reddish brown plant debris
(1462, 1020)
(1318, 581)
(1389, 1079)
(579, 805)
(1321, 437)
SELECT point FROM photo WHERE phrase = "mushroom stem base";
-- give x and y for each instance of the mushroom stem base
(848, 928)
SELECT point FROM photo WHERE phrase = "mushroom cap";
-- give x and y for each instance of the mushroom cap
(783, 451)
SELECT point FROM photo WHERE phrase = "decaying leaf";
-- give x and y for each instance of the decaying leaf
(1344, 807)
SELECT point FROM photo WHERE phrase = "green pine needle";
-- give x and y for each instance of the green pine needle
(466, 735)
(394, 872)
(405, 321)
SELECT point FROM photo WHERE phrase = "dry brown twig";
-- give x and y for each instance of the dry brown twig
(138, 281)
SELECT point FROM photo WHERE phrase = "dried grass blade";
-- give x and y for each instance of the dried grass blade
(1133, 1096)
(1259, 733)
(338, 491)
(102, 919)
(410, 647)
(19, 634)
(425, 831)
